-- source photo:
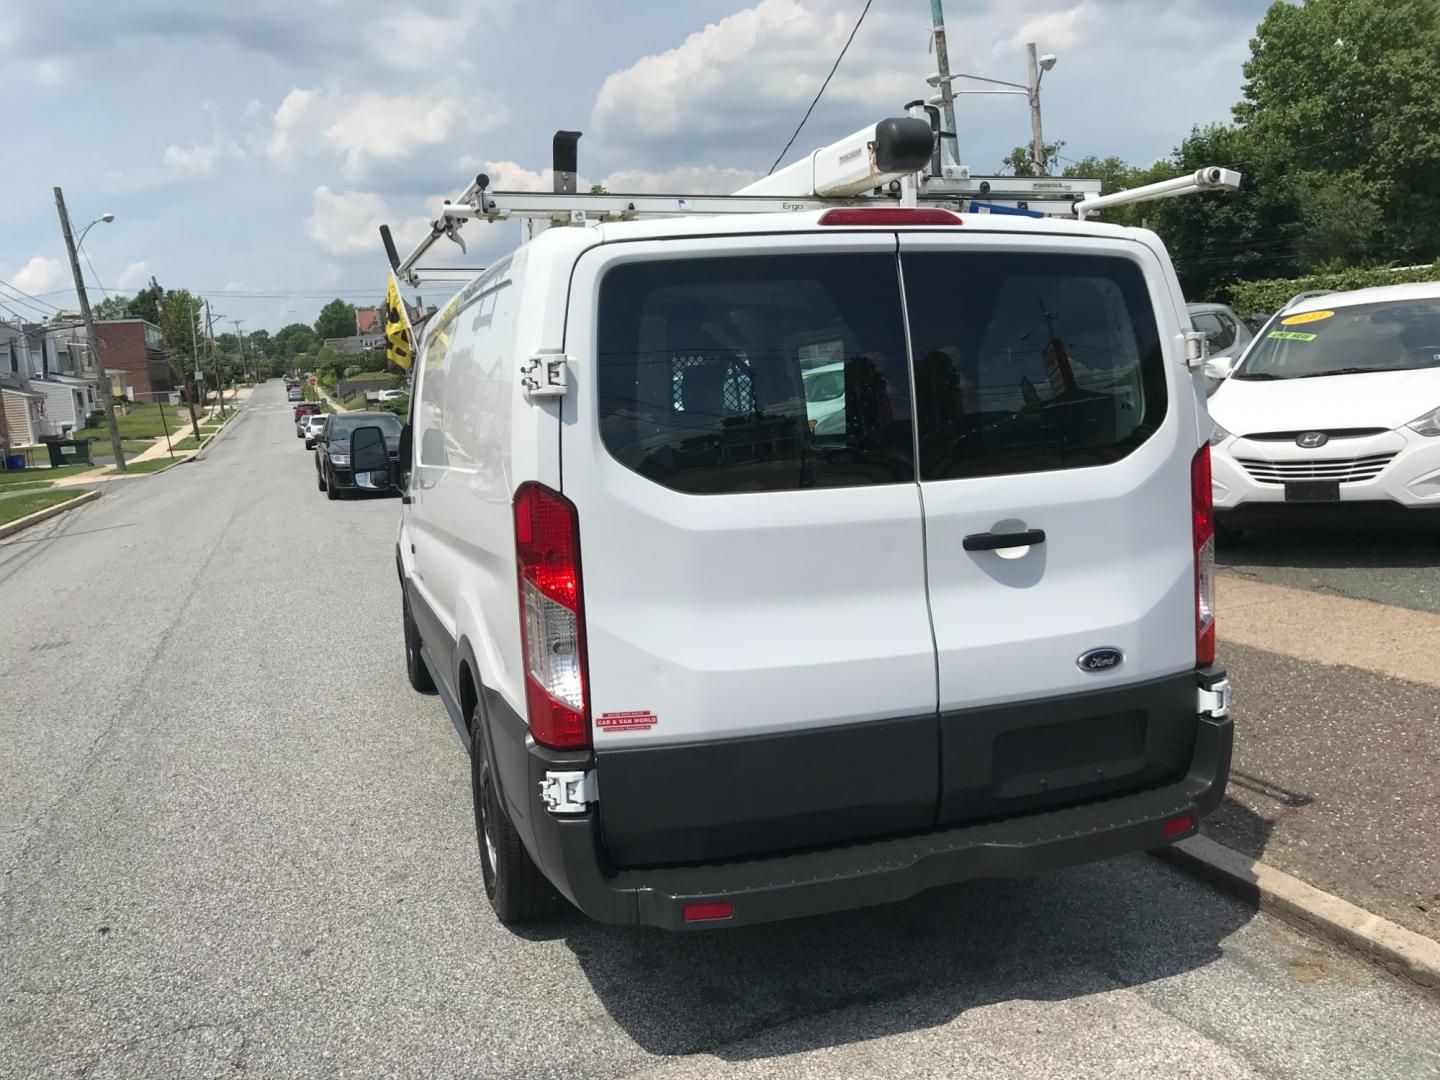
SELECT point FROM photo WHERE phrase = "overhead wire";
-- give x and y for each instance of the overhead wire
(835, 67)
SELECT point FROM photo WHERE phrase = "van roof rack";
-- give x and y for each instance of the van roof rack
(895, 162)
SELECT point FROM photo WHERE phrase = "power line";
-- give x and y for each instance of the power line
(865, 11)
(29, 296)
(93, 274)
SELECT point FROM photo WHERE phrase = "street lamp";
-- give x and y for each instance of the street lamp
(1031, 91)
(106, 217)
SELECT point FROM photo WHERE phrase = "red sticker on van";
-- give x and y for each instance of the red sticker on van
(627, 721)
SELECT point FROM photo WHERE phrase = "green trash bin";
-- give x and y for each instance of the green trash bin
(70, 452)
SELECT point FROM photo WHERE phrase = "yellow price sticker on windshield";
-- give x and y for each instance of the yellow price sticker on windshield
(1309, 316)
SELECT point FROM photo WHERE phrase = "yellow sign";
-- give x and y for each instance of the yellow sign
(1309, 316)
(400, 341)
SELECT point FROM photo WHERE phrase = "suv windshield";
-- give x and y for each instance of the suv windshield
(1392, 336)
(340, 427)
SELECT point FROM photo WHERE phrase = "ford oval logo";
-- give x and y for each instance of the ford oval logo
(1309, 440)
(1100, 660)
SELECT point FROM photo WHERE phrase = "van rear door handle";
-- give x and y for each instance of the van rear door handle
(987, 541)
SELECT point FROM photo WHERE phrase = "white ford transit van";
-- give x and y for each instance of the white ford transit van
(732, 642)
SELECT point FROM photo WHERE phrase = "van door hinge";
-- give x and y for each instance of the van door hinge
(569, 792)
(1215, 700)
(545, 375)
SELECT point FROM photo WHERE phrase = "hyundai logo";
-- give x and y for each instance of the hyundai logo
(1100, 660)
(1309, 440)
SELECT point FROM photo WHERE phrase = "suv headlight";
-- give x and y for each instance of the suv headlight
(339, 459)
(1427, 425)
(1217, 434)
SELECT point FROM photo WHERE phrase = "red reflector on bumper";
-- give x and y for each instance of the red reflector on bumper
(1177, 825)
(720, 909)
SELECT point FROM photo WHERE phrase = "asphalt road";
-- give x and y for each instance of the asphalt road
(234, 841)
(1386, 565)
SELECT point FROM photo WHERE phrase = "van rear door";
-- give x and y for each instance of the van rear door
(1046, 407)
(738, 445)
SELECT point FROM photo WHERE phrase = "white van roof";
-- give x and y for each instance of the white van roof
(804, 220)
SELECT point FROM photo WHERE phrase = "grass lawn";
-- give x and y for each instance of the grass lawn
(136, 446)
(184, 444)
(142, 467)
(26, 477)
(18, 506)
(144, 422)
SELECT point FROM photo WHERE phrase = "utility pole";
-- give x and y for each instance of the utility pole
(185, 384)
(107, 396)
(947, 100)
(245, 364)
(1037, 139)
(214, 360)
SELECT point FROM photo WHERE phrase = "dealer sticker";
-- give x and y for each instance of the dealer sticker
(627, 721)
(1290, 335)
(1308, 316)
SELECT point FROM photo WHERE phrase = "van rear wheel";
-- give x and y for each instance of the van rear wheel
(513, 883)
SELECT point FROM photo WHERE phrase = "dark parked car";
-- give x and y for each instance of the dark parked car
(332, 448)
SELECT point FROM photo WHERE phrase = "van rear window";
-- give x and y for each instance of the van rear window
(1030, 362)
(756, 373)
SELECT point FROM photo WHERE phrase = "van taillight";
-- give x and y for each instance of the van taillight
(552, 617)
(1202, 512)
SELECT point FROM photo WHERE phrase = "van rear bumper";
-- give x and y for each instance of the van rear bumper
(571, 852)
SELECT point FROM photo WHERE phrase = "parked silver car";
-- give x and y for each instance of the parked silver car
(1226, 332)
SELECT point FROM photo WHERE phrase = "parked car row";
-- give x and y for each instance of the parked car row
(330, 436)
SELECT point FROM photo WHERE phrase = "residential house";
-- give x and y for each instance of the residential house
(22, 408)
(137, 348)
(64, 376)
(370, 327)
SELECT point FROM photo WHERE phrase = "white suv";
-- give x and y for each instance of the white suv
(718, 662)
(1334, 411)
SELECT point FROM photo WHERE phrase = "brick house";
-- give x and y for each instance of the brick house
(137, 348)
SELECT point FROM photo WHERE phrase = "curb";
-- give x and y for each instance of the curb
(45, 515)
(1398, 950)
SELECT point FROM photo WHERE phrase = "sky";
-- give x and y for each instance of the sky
(249, 149)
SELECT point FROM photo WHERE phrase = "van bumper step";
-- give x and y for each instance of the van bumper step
(880, 871)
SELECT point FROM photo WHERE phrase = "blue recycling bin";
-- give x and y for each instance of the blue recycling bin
(15, 461)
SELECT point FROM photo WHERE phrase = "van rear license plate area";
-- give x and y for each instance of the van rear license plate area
(1312, 491)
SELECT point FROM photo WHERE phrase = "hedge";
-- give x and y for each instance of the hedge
(1270, 295)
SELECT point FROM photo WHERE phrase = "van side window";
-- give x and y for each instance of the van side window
(430, 412)
(756, 373)
(1029, 363)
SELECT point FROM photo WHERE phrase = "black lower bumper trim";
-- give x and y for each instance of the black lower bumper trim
(880, 871)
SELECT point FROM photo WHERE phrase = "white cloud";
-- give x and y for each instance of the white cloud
(39, 275)
(134, 276)
(198, 160)
(50, 72)
(684, 179)
(1056, 29)
(348, 222)
(773, 54)
(234, 286)
(368, 127)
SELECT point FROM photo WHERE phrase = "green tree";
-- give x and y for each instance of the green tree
(144, 305)
(112, 307)
(336, 320)
(294, 340)
(1344, 119)
(227, 342)
(1019, 162)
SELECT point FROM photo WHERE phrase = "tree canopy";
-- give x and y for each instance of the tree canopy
(336, 320)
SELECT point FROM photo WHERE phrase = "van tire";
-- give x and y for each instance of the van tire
(320, 480)
(415, 669)
(514, 885)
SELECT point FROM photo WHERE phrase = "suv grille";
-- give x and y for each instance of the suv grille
(1334, 433)
(1345, 470)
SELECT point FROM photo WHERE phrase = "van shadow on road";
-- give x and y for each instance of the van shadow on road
(795, 986)
(1358, 547)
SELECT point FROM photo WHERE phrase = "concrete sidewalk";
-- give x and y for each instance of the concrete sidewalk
(1337, 745)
